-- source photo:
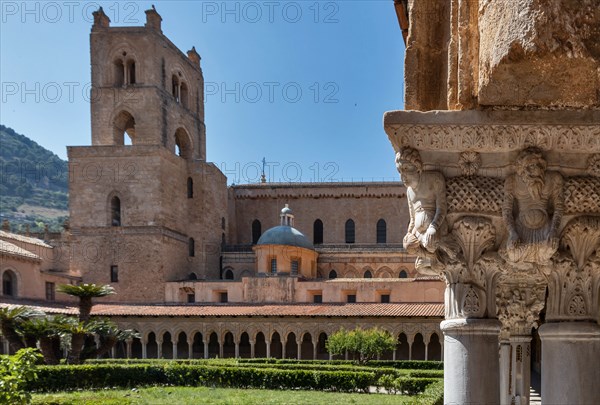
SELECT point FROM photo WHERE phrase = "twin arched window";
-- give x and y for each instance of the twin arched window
(125, 73)
(179, 89)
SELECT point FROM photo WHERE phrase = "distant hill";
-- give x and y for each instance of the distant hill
(34, 183)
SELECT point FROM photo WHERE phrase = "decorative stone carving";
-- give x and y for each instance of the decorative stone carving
(593, 166)
(581, 237)
(582, 195)
(477, 195)
(474, 235)
(574, 292)
(426, 194)
(519, 300)
(469, 163)
(495, 138)
(532, 209)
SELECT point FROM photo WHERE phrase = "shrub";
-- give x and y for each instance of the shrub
(433, 394)
(15, 373)
(366, 344)
(413, 386)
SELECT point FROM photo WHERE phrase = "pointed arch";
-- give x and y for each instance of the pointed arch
(115, 217)
(381, 231)
(350, 231)
(256, 231)
(124, 124)
(183, 144)
(318, 232)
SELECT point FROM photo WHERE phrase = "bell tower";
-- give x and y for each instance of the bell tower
(146, 208)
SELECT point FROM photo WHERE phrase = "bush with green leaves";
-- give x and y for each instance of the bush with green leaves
(362, 344)
(15, 373)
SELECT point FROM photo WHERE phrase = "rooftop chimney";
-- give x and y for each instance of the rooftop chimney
(101, 20)
(153, 19)
(193, 56)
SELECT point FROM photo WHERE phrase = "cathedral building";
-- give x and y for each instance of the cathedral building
(201, 269)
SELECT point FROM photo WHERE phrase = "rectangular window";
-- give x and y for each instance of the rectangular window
(295, 265)
(191, 298)
(50, 289)
(317, 299)
(385, 298)
(351, 298)
(274, 266)
(114, 274)
(223, 297)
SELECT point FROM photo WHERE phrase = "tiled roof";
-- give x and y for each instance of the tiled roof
(13, 250)
(21, 238)
(259, 310)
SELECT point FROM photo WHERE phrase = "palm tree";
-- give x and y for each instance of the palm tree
(45, 330)
(10, 319)
(78, 331)
(86, 292)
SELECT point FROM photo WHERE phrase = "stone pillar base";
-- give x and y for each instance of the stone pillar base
(570, 363)
(471, 363)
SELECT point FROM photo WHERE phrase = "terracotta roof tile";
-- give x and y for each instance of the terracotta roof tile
(21, 238)
(13, 250)
(207, 310)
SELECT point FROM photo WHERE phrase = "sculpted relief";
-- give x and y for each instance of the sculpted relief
(499, 243)
(532, 209)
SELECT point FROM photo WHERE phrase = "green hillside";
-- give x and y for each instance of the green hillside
(33, 183)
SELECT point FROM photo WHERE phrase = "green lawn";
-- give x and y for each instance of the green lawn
(203, 395)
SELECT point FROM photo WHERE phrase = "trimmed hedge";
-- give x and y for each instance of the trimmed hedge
(64, 378)
(433, 394)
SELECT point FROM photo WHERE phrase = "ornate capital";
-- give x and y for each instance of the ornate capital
(519, 300)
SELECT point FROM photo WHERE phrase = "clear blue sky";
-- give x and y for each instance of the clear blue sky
(345, 57)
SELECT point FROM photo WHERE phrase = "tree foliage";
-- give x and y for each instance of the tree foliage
(15, 372)
(362, 344)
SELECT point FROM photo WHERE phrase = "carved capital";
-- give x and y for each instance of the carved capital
(474, 235)
(581, 237)
(519, 300)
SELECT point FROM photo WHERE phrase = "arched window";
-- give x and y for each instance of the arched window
(131, 71)
(190, 187)
(9, 284)
(318, 232)
(381, 231)
(191, 247)
(228, 274)
(192, 276)
(175, 87)
(183, 144)
(115, 211)
(183, 94)
(332, 274)
(123, 124)
(119, 73)
(349, 231)
(403, 274)
(256, 231)
(368, 274)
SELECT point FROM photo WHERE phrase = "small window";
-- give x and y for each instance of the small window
(223, 223)
(332, 274)
(368, 274)
(403, 274)
(256, 231)
(318, 299)
(351, 298)
(229, 274)
(119, 73)
(295, 265)
(318, 232)
(385, 298)
(114, 274)
(191, 298)
(190, 187)
(115, 211)
(381, 231)
(9, 284)
(131, 70)
(175, 87)
(191, 247)
(274, 266)
(50, 291)
(350, 231)
(223, 297)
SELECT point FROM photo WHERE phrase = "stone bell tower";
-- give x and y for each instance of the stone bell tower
(501, 158)
(146, 208)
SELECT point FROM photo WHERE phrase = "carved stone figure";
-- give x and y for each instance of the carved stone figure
(426, 194)
(532, 210)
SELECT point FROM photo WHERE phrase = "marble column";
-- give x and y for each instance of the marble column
(128, 343)
(252, 342)
(205, 344)
(237, 350)
(175, 354)
(299, 344)
(144, 350)
(315, 346)
(570, 363)
(505, 372)
(268, 344)
(520, 369)
(471, 361)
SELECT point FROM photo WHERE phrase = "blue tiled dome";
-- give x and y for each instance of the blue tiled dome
(285, 235)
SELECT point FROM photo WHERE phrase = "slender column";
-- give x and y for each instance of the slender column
(299, 344)
(410, 341)
(283, 344)
(505, 372)
(128, 348)
(268, 344)
(471, 352)
(205, 348)
(426, 343)
(315, 347)
(237, 350)
(113, 352)
(175, 354)
(520, 369)
(159, 349)
(97, 341)
(190, 348)
(144, 350)
(570, 371)
(252, 343)
(394, 355)
(330, 356)
(221, 349)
